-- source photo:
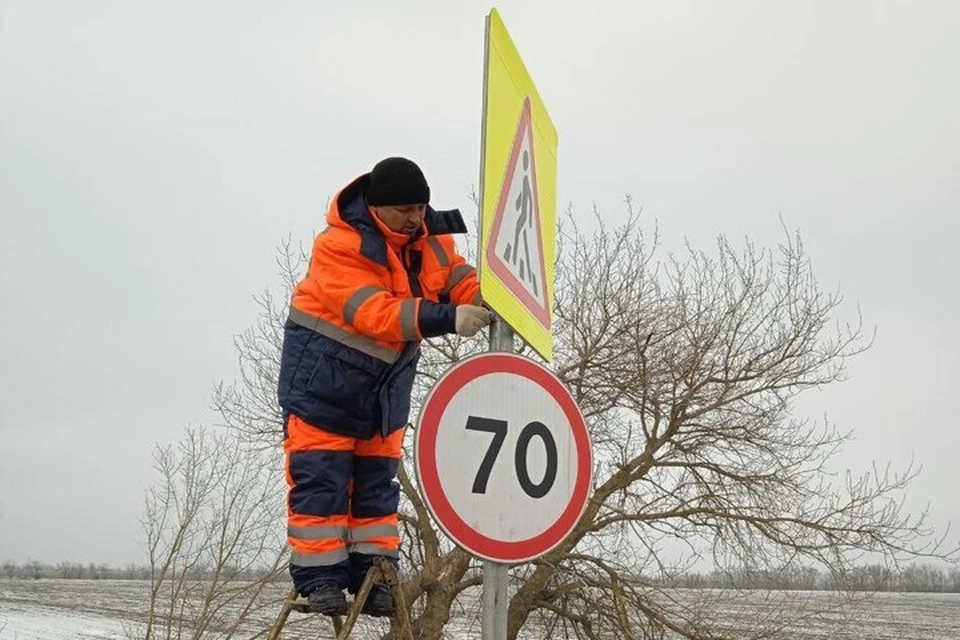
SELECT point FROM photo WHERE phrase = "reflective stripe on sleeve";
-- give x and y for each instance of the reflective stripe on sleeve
(408, 320)
(360, 296)
(456, 275)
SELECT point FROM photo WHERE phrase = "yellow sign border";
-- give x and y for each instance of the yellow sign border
(506, 85)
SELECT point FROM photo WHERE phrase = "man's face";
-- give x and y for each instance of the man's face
(405, 218)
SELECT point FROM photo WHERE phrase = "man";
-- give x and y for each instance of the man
(384, 275)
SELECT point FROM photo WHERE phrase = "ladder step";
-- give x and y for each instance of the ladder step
(382, 572)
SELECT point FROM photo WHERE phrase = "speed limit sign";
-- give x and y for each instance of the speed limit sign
(503, 457)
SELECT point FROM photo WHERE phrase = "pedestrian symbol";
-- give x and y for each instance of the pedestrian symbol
(515, 251)
(524, 206)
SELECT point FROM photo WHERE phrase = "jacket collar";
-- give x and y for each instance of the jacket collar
(350, 207)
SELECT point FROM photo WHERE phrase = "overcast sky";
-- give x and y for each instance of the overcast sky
(154, 154)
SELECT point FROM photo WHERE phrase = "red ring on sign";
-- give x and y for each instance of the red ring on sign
(425, 448)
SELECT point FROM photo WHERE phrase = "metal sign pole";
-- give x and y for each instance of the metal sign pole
(496, 596)
(494, 600)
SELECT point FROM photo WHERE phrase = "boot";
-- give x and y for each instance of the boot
(328, 599)
(379, 602)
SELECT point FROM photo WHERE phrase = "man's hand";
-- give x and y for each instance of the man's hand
(471, 319)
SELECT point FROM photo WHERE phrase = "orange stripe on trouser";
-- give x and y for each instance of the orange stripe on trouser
(323, 531)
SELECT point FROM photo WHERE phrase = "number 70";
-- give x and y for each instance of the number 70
(499, 430)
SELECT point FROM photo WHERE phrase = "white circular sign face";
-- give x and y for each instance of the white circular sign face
(503, 457)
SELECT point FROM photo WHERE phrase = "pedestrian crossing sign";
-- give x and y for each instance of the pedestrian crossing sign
(518, 194)
(515, 250)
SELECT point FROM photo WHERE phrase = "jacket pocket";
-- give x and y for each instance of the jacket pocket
(398, 391)
(348, 381)
(433, 283)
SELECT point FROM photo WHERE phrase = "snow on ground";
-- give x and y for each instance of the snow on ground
(109, 610)
(36, 622)
(69, 609)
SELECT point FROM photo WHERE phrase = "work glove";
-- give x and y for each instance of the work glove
(471, 319)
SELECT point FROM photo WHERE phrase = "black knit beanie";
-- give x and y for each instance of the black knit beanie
(395, 182)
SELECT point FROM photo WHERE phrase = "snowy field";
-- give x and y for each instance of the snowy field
(112, 609)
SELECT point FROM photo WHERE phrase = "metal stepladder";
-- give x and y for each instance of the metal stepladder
(382, 572)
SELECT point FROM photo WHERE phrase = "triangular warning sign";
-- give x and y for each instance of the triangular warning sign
(515, 250)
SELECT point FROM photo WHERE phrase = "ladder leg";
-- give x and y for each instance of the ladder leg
(284, 614)
(373, 575)
(401, 615)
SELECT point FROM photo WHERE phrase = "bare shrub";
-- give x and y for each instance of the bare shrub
(213, 525)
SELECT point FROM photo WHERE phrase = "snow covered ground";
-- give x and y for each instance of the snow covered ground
(62, 609)
(67, 609)
(110, 610)
(34, 622)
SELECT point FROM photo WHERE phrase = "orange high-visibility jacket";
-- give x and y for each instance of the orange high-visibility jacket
(352, 338)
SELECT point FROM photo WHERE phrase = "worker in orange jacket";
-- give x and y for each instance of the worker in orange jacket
(384, 275)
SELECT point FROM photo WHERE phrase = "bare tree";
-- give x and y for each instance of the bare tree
(687, 368)
(211, 524)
